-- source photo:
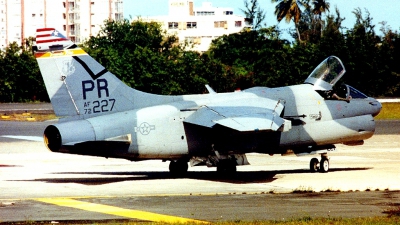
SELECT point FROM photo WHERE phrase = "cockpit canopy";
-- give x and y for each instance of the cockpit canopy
(326, 74)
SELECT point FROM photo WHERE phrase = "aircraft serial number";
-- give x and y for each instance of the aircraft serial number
(100, 106)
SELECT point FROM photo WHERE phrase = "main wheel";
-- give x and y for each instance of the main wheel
(178, 167)
(324, 165)
(314, 165)
(226, 166)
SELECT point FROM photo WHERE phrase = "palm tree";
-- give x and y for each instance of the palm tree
(290, 10)
(320, 6)
(254, 12)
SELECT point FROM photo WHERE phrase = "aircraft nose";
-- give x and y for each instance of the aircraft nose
(376, 105)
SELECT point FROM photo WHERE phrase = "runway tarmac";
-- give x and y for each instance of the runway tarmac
(43, 186)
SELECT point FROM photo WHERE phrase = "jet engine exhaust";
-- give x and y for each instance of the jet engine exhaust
(52, 138)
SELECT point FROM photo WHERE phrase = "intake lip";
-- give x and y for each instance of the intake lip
(377, 107)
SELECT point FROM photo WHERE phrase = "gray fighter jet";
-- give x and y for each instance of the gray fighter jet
(101, 116)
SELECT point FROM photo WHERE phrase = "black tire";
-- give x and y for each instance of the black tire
(324, 165)
(172, 166)
(314, 165)
(226, 166)
(178, 167)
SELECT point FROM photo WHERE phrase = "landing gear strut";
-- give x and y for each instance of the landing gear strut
(317, 166)
(178, 166)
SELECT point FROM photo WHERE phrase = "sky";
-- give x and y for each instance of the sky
(387, 10)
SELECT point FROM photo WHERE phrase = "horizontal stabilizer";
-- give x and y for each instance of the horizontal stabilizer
(119, 139)
(21, 137)
(123, 138)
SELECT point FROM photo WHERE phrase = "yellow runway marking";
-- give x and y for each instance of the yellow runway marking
(116, 211)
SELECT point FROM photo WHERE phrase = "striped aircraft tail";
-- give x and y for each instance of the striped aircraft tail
(49, 39)
(77, 85)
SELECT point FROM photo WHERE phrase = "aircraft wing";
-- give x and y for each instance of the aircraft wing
(242, 115)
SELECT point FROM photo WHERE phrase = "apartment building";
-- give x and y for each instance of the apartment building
(199, 25)
(78, 19)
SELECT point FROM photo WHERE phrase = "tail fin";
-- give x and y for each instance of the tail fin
(78, 85)
(49, 39)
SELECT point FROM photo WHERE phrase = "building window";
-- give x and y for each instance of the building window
(172, 25)
(238, 23)
(193, 40)
(118, 6)
(118, 16)
(219, 24)
(33, 15)
(191, 25)
(228, 12)
(205, 13)
(72, 29)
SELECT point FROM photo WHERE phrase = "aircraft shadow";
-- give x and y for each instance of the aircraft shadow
(2, 165)
(240, 177)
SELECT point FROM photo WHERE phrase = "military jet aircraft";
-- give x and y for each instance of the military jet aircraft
(101, 116)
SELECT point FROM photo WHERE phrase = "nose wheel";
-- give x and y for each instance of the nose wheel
(317, 166)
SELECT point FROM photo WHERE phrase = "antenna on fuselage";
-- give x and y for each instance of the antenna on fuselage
(210, 90)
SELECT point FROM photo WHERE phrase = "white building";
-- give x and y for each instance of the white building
(199, 25)
(78, 19)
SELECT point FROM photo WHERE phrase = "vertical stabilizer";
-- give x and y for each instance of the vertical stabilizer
(78, 85)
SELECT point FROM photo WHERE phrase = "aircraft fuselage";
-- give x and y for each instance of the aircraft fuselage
(312, 123)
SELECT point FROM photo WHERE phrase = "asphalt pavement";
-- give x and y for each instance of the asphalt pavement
(41, 108)
(38, 185)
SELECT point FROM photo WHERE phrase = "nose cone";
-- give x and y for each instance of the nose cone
(376, 107)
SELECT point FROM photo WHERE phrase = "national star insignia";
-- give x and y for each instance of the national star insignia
(145, 128)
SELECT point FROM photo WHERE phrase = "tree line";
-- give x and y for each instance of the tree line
(145, 57)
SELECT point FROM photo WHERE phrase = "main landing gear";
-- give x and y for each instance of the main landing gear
(226, 166)
(317, 166)
(178, 167)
